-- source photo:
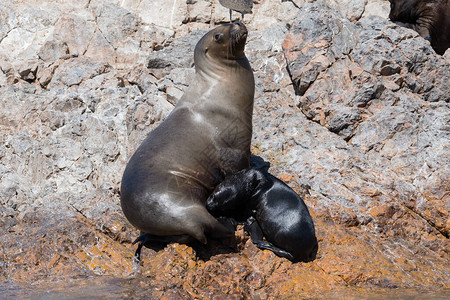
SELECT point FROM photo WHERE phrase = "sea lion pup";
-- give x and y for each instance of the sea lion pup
(206, 137)
(270, 209)
(431, 19)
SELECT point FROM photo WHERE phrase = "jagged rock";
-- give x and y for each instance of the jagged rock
(378, 8)
(378, 99)
(350, 9)
(316, 40)
(27, 70)
(53, 50)
(165, 14)
(76, 30)
(115, 23)
(175, 55)
(75, 71)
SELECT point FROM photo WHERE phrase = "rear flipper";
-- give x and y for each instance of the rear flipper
(145, 238)
(252, 227)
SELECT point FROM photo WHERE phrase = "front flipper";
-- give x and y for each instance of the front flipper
(143, 238)
(252, 227)
(149, 238)
(256, 234)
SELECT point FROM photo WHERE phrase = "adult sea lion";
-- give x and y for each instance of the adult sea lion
(206, 137)
(270, 209)
(431, 19)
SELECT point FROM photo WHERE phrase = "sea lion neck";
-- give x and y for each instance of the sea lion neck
(215, 68)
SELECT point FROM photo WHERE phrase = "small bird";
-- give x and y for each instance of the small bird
(242, 6)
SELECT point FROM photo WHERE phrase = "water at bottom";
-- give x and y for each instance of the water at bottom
(101, 287)
(105, 287)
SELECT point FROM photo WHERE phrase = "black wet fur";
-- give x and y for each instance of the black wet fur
(270, 209)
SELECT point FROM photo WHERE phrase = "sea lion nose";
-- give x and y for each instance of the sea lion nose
(241, 26)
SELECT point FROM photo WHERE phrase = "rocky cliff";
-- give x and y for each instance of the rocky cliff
(351, 110)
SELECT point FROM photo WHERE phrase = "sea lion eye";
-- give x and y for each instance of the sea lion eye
(218, 37)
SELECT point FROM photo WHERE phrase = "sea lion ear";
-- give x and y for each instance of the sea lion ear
(218, 37)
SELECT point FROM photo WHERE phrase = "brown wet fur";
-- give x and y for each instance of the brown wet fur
(206, 137)
(431, 19)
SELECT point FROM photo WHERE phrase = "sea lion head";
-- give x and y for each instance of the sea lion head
(222, 44)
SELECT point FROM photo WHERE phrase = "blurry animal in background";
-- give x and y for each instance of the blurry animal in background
(430, 18)
(242, 6)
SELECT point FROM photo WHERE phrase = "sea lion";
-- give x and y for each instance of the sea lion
(431, 19)
(207, 136)
(270, 209)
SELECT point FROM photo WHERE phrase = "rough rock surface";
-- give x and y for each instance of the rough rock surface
(351, 110)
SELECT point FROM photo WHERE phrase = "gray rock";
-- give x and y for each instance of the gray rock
(378, 8)
(162, 14)
(316, 40)
(350, 9)
(375, 100)
(176, 54)
(76, 30)
(8, 19)
(53, 50)
(115, 23)
(74, 71)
